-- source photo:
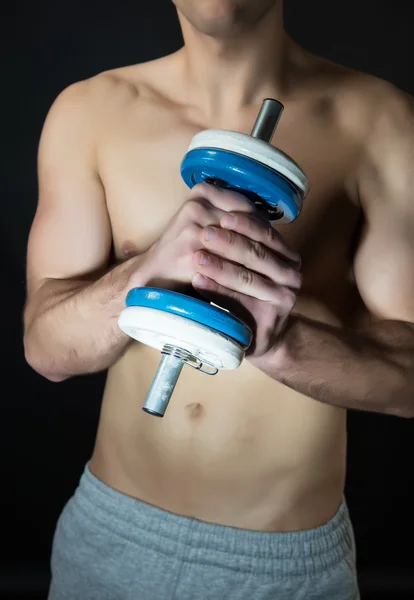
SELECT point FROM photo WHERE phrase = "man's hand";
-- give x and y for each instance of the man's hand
(247, 267)
(169, 262)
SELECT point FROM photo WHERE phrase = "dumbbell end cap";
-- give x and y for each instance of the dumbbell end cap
(152, 412)
(267, 119)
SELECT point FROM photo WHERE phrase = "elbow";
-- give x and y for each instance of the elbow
(406, 409)
(37, 360)
(53, 377)
(399, 409)
(401, 400)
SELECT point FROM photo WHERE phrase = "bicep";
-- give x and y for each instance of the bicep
(384, 262)
(384, 269)
(70, 234)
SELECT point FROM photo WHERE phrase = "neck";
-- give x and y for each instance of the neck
(227, 75)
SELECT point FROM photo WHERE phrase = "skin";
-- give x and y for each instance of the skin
(329, 297)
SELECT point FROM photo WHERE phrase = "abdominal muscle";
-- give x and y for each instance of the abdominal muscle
(236, 449)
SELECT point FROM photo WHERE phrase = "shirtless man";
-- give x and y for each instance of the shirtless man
(238, 491)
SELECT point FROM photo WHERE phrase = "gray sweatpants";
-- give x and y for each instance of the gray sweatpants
(109, 546)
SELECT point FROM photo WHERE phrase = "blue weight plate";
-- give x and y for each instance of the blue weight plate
(193, 309)
(242, 174)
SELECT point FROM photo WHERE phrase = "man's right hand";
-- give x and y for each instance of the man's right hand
(169, 262)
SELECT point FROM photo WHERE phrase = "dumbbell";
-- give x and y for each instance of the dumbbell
(189, 331)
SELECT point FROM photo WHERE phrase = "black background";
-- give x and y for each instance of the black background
(47, 430)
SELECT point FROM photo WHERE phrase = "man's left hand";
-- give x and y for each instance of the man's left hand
(259, 279)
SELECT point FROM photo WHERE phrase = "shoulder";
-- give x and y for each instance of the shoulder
(88, 101)
(90, 98)
(380, 116)
(83, 111)
(391, 123)
(376, 119)
(361, 106)
(375, 108)
(362, 103)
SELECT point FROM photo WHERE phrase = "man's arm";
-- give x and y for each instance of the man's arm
(370, 369)
(72, 307)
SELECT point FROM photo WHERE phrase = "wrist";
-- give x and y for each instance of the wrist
(279, 357)
(140, 271)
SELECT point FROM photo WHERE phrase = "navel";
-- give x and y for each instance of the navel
(195, 410)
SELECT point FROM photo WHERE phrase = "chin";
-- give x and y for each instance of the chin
(223, 18)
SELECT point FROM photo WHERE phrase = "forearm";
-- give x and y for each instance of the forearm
(370, 369)
(71, 327)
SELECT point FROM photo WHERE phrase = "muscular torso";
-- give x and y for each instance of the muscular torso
(238, 448)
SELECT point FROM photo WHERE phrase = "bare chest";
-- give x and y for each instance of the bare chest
(140, 170)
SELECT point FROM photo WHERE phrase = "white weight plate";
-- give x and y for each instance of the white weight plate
(156, 328)
(258, 150)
